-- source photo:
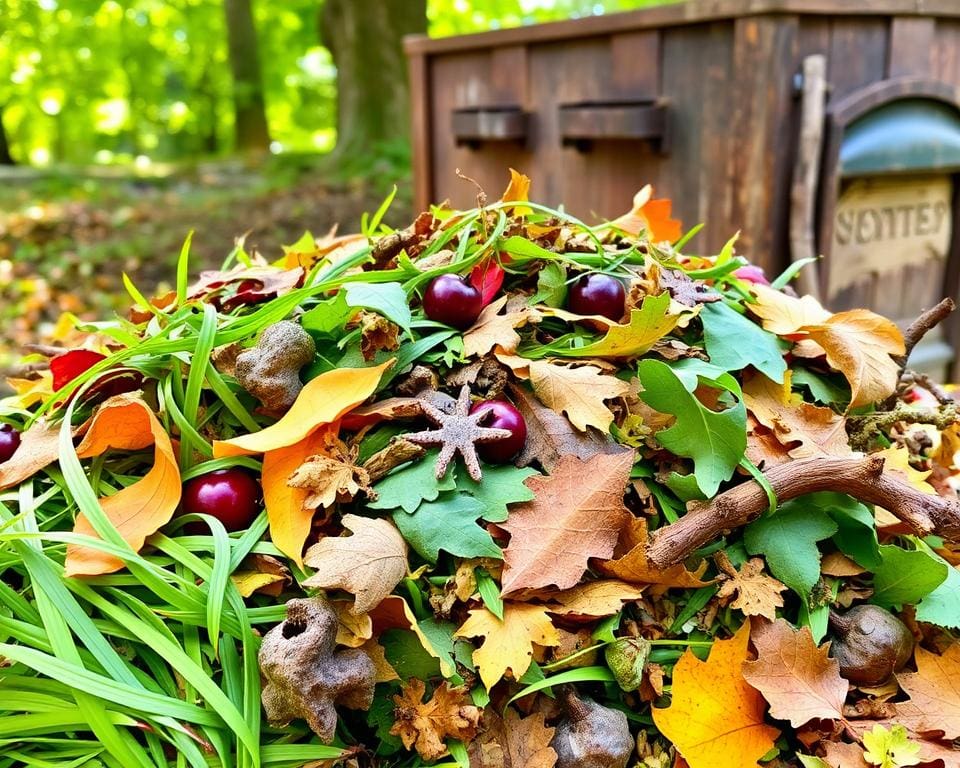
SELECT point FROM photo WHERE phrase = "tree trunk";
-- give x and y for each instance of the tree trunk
(251, 116)
(5, 156)
(365, 38)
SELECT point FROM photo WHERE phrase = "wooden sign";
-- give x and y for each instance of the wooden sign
(883, 225)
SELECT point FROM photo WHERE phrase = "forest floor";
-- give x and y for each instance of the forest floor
(66, 239)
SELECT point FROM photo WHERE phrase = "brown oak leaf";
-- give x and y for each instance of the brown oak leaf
(934, 691)
(368, 564)
(798, 679)
(512, 742)
(604, 597)
(806, 430)
(493, 329)
(578, 392)
(377, 334)
(632, 566)
(328, 480)
(423, 725)
(550, 435)
(577, 513)
(757, 593)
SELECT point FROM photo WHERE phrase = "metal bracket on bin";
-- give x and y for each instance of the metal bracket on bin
(583, 123)
(474, 125)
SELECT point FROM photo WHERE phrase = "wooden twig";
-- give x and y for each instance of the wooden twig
(862, 478)
(921, 326)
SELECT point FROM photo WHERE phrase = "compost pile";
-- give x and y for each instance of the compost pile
(497, 489)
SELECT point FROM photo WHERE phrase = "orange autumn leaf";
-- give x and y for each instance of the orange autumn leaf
(321, 401)
(715, 719)
(518, 190)
(652, 216)
(287, 511)
(125, 422)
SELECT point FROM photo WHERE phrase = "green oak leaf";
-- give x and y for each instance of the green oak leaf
(551, 285)
(788, 540)
(824, 389)
(716, 441)
(387, 299)
(734, 342)
(407, 655)
(500, 486)
(327, 316)
(942, 606)
(407, 486)
(905, 576)
(452, 649)
(450, 524)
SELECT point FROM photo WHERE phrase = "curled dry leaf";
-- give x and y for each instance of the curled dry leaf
(577, 513)
(329, 479)
(424, 725)
(604, 597)
(715, 719)
(650, 216)
(757, 594)
(368, 564)
(799, 680)
(508, 644)
(298, 435)
(125, 422)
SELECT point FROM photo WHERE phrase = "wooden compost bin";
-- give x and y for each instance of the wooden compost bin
(707, 100)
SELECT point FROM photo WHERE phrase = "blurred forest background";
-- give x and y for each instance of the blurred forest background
(126, 123)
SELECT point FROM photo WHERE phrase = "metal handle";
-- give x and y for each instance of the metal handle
(582, 124)
(474, 125)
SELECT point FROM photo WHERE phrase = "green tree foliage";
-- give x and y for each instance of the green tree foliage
(114, 80)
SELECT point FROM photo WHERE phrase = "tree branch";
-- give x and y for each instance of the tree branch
(862, 478)
(921, 326)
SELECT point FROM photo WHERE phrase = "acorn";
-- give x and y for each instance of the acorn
(591, 735)
(627, 657)
(870, 644)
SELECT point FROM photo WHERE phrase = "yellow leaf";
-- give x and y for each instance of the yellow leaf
(859, 344)
(578, 392)
(353, 629)
(596, 598)
(782, 314)
(896, 460)
(634, 568)
(518, 190)
(508, 644)
(125, 422)
(248, 582)
(715, 719)
(287, 510)
(323, 400)
(648, 324)
(29, 391)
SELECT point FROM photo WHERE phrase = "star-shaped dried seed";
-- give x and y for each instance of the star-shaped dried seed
(685, 290)
(458, 432)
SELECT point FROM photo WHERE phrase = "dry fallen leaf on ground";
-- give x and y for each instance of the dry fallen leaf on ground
(125, 422)
(757, 593)
(715, 719)
(512, 742)
(799, 680)
(369, 564)
(508, 644)
(633, 566)
(423, 725)
(577, 514)
(578, 392)
(934, 691)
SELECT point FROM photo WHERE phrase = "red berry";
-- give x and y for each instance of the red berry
(230, 495)
(451, 300)
(502, 416)
(9, 442)
(597, 294)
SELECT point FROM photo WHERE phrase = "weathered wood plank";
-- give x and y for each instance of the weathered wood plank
(911, 46)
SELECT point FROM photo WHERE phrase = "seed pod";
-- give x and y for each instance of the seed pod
(591, 736)
(627, 658)
(270, 371)
(870, 644)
